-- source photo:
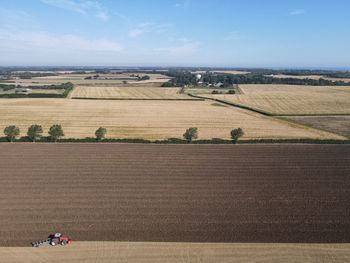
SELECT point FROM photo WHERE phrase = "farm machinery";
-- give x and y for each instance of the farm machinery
(53, 240)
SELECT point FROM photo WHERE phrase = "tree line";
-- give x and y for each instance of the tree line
(65, 86)
(35, 133)
(185, 78)
(192, 133)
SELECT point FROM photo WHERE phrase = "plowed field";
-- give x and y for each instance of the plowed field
(184, 193)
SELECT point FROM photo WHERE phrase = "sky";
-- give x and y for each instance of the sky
(217, 33)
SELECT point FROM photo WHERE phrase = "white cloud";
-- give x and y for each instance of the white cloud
(297, 12)
(67, 42)
(184, 4)
(24, 41)
(144, 28)
(84, 7)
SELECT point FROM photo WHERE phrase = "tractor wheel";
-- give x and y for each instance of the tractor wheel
(64, 242)
(53, 243)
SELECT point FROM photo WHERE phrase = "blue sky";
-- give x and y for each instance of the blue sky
(235, 33)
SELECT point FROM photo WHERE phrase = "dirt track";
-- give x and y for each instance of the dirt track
(202, 193)
(148, 252)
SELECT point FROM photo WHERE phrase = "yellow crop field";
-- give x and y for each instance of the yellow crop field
(292, 99)
(152, 252)
(127, 93)
(147, 119)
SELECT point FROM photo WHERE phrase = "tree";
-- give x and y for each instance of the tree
(100, 133)
(56, 132)
(11, 132)
(34, 132)
(190, 134)
(143, 77)
(236, 134)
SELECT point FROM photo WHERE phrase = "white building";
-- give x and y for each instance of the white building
(22, 90)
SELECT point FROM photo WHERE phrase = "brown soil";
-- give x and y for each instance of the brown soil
(335, 124)
(203, 193)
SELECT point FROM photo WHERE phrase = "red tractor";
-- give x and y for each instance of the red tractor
(53, 240)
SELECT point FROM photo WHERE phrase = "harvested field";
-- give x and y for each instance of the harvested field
(181, 193)
(282, 76)
(292, 99)
(335, 124)
(200, 91)
(146, 93)
(48, 91)
(142, 252)
(147, 119)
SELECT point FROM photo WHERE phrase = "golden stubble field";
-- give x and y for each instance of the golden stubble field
(147, 119)
(150, 252)
(292, 99)
(151, 93)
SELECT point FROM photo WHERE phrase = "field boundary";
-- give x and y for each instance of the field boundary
(233, 104)
(64, 95)
(193, 99)
(180, 141)
(311, 115)
(266, 113)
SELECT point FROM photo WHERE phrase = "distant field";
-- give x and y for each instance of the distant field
(147, 119)
(282, 76)
(234, 72)
(36, 91)
(198, 91)
(48, 91)
(128, 93)
(104, 79)
(335, 124)
(157, 252)
(293, 99)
